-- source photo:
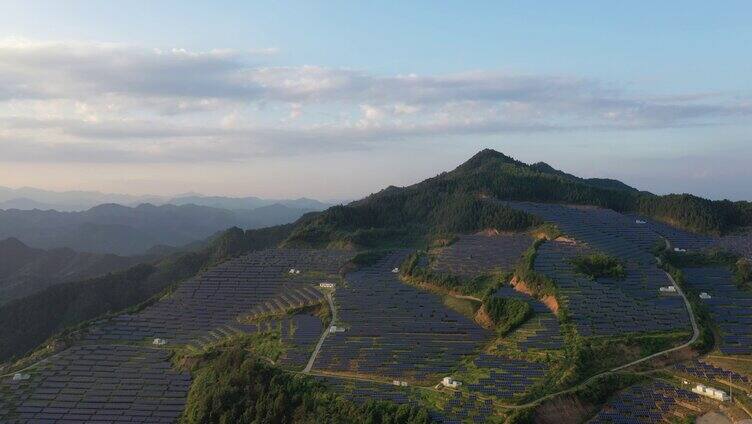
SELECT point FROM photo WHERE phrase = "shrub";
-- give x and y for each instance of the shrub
(598, 265)
(507, 313)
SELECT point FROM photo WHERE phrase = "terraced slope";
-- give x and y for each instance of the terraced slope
(97, 383)
(394, 330)
(729, 306)
(475, 254)
(651, 403)
(207, 308)
(115, 374)
(608, 307)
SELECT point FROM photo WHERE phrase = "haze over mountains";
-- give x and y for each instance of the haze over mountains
(122, 224)
(27, 198)
(123, 230)
(25, 270)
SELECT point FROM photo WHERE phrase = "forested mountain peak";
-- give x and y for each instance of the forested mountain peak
(462, 201)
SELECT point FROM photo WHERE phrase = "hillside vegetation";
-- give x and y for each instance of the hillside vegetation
(25, 270)
(234, 385)
(461, 201)
(29, 321)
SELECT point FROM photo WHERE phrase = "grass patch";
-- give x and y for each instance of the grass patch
(507, 314)
(481, 286)
(597, 265)
(466, 307)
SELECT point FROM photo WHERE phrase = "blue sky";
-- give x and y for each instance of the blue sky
(338, 99)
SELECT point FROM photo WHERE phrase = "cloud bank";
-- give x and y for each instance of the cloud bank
(99, 102)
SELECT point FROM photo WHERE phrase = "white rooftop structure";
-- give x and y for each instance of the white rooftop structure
(20, 376)
(326, 285)
(335, 329)
(294, 271)
(159, 342)
(711, 392)
(395, 270)
(676, 249)
(668, 289)
(639, 221)
(399, 383)
(450, 382)
(704, 295)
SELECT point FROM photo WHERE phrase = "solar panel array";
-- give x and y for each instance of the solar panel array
(109, 378)
(395, 330)
(463, 408)
(207, 307)
(739, 243)
(678, 238)
(457, 410)
(108, 383)
(729, 306)
(608, 307)
(507, 376)
(603, 229)
(548, 336)
(475, 254)
(649, 403)
(704, 370)
(360, 391)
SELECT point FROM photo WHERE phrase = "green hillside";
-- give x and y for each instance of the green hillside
(457, 201)
(29, 321)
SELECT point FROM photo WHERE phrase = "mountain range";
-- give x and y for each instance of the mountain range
(123, 230)
(27, 198)
(467, 199)
(25, 270)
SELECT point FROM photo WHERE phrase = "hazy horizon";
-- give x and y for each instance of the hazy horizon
(336, 100)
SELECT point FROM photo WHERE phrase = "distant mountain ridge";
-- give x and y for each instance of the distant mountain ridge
(27, 198)
(25, 270)
(123, 230)
(250, 202)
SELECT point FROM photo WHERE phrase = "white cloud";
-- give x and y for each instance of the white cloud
(100, 101)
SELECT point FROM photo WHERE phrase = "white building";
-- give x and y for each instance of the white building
(450, 382)
(668, 289)
(20, 376)
(395, 270)
(294, 271)
(335, 329)
(326, 285)
(711, 392)
(704, 295)
(678, 250)
(399, 383)
(641, 222)
(159, 342)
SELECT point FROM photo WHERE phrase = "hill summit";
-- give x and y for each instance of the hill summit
(462, 200)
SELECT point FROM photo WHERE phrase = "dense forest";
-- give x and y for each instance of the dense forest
(234, 385)
(458, 201)
(29, 321)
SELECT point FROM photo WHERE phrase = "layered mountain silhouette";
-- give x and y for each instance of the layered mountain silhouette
(113, 228)
(25, 270)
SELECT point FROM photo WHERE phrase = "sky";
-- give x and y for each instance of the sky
(338, 99)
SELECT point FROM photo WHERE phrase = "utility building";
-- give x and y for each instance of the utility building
(711, 392)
